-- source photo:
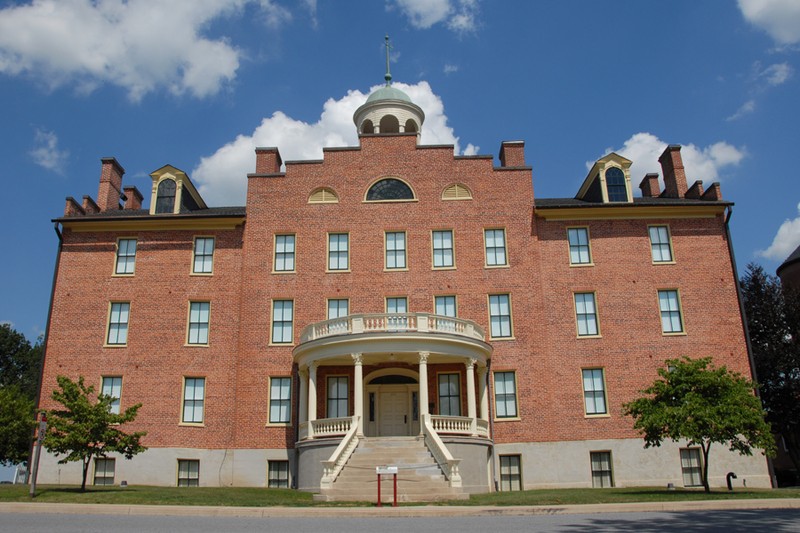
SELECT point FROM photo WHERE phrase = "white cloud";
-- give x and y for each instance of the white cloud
(777, 74)
(745, 109)
(779, 18)
(786, 240)
(449, 68)
(458, 15)
(704, 164)
(139, 45)
(221, 177)
(46, 153)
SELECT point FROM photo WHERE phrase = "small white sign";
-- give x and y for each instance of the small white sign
(386, 469)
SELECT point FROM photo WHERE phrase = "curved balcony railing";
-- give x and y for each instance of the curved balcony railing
(392, 323)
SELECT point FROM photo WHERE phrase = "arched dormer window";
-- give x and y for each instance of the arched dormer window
(389, 189)
(323, 195)
(456, 191)
(390, 124)
(367, 127)
(165, 197)
(615, 185)
(411, 126)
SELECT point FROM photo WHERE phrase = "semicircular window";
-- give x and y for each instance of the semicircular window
(389, 189)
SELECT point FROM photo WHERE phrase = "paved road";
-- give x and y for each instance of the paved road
(728, 521)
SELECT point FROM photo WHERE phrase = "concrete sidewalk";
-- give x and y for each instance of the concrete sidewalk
(411, 511)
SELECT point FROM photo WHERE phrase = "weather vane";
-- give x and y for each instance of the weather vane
(388, 76)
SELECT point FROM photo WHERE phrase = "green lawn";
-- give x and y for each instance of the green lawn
(258, 497)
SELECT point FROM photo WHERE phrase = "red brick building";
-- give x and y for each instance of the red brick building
(395, 304)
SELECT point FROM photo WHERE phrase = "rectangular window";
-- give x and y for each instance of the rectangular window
(495, 240)
(338, 251)
(510, 473)
(338, 308)
(443, 249)
(278, 474)
(104, 471)
(579, 252)
(691, 467)
(586, 314)
(126, 256)
(199, 313)
(445, 306)
(118, 323)
(188, 473)
(601, 470)
(395, 249)
(282, 318)
(284, 253)
(500, 315)
(397, 307)
(505, 395)
(450, 394)
(338, 391)
(280, 400)
(112, 386)
(670, 305)
(194, 391)
(660, 246)
(594, 391)
(203, 255)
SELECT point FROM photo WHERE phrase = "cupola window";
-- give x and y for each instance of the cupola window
(389, 189)
(615, 185)
(390, 124)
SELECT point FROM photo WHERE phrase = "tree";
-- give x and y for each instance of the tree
(16, 425)
(695, 401)
(19, 379)
(86, 429)
(773, 319)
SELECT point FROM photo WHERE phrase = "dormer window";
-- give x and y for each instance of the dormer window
(615, 185)
(165, 198)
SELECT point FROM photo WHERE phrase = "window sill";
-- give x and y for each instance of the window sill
(343, 271)
(202, 274)
(284, 272)
(673, 334)
(598, 336)
(444, 268)
(581, 265)
(115, 345)
(196, 345)
(278, 424)
(192, 424)
(404, 269)
(508, 419)
(115, 275)
(502, 338)
(281, 344)
(599, 415)
(657, 263)
(497, 266)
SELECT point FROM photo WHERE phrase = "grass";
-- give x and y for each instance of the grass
(260, 497)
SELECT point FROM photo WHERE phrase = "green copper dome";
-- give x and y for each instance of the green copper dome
(389, 93)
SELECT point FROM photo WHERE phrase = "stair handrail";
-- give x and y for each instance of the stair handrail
(333, 466)
(444, 458)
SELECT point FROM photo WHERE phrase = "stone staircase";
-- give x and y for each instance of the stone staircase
(419, 478)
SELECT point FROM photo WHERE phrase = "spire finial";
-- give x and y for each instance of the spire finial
(388, 76)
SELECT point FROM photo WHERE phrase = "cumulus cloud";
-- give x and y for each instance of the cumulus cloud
(458, 15)
(139, 45)
(746, 108)
(779, 18)
(46, 153)
(221, 177)
(703, 164)
(786, 240)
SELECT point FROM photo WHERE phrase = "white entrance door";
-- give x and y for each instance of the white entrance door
(394, 413)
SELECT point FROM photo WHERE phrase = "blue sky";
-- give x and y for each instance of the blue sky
(197, 84)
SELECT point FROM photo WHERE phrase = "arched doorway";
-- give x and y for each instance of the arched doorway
(392, 403)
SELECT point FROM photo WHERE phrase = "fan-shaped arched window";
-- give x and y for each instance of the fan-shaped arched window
(615, 185)
(456, 191)
(323, 195)
(389, 189)
(165, 197)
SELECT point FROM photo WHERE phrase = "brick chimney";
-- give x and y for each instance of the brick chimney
(673, 172)
(110, 190)
(73, 208)
(649, 186)
(133, 198)
(695, 192)
(512, 154)
(89, 207)
(268, 161)
(713, 193)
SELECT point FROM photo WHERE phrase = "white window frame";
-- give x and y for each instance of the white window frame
(587, 320)
(338, 252)
(193, 406)
(102, 471)
(118, 322)
(199, 324)
(602, 467)
(280, 400)
(691, 467)
(275, 476)
(125, 260)
(505, 395)
(594, 391)
(500, 317)
(285, 252)
(339, 401)
(335, 308)
(443, 249)
(580, 253)
(496, 255)
(112, 386)
(510, 472)
(660, 244)
(669, 306)
(188, 473)
(282, 324)
(202, 258)
(395, 250)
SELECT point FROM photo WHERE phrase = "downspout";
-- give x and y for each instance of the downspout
(60, 236)
(728, 214)
(491, 423)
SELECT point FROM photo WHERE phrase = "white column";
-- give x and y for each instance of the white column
(303, 395)
(312, 398)
(358, 392)
(483, 395)
(470, 364)
(423, 388)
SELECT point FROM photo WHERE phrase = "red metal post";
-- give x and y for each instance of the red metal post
(379, 490)
(394, 503)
